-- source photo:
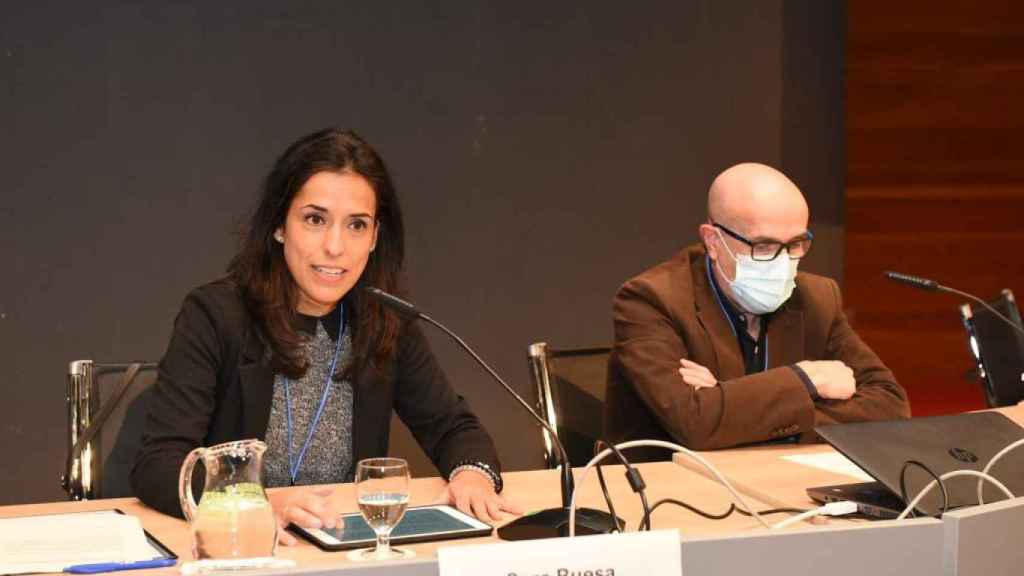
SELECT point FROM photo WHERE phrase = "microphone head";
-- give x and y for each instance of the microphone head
(394, 302)
(916, 281)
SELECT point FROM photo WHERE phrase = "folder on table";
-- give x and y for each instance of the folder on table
(53, 542)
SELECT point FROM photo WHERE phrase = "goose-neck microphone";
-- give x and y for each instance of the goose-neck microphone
(546, 523)
(932, 285)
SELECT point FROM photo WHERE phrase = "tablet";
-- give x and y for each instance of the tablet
(420, 524)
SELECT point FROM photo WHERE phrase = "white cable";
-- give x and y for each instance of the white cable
(658, 444)
(992, 463)
(953, 474)
(841, 508)
(798, 518)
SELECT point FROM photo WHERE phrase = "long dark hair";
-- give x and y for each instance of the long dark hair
(261, 273)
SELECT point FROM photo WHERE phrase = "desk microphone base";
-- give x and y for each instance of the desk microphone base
(554, 522)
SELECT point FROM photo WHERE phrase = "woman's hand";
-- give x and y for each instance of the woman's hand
(473, 493)
(306, 507)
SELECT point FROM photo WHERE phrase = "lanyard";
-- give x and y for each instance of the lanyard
(293, 466)
(728, 319)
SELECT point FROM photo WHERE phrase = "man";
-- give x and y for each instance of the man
(725, 344)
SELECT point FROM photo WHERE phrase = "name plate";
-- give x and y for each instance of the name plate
(632, 554)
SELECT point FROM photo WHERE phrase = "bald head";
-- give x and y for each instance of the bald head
(758, 201)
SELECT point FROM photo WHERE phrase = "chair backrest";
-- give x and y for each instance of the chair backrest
(101, 468)
(570, 391)
(997, 348)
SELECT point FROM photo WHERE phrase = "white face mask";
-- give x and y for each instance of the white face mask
(761, 287)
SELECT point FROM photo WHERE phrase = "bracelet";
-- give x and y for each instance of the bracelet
(482, 467)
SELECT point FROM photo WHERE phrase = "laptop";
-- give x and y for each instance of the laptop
(942, 443)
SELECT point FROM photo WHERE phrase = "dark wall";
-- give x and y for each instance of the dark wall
(544, 153)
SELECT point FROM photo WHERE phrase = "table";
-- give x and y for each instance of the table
(532, 490)
(709, 547)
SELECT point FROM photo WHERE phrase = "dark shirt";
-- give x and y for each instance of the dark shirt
(331, 322)
(215, 385)
(755, 352)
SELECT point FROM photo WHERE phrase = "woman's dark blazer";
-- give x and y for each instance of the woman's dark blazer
(215, 385)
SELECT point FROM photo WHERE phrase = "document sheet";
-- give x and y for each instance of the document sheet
(832, 462)
(53, 542)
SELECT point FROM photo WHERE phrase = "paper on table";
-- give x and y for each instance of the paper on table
(832, 462)
(51, 543)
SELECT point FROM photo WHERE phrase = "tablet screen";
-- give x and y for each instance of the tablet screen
(419, 524)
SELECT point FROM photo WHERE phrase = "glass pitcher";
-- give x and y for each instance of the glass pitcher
(234, 519)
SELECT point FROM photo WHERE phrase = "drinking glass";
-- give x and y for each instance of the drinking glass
(382, 491)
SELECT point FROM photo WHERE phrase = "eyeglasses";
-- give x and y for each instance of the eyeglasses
(765, 250)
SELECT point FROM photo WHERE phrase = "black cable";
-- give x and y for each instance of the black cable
(771, 511)
(618, 456)
(608, 499)
(942, 486)
(691, 508)
(636, 482)
(711, 516)
(645, 522)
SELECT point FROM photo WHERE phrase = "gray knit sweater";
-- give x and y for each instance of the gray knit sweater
(328, 459)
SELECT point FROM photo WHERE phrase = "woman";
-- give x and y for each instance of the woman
(289, 349)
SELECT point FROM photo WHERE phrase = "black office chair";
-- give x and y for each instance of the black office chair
(997, 348)
(106, 412)
(570, 388)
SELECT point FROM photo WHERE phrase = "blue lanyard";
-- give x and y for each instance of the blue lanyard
(728, 319)
(293, 466)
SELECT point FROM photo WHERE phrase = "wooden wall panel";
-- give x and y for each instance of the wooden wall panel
(935, 180)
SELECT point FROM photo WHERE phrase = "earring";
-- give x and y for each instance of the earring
(279, 237)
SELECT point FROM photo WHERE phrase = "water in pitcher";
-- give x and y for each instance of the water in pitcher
(234, 522)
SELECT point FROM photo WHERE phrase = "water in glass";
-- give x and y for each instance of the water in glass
(382, 492)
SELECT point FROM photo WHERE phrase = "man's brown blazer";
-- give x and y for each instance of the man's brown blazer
(670, 312)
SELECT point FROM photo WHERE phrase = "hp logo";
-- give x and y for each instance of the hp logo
(962, 455)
